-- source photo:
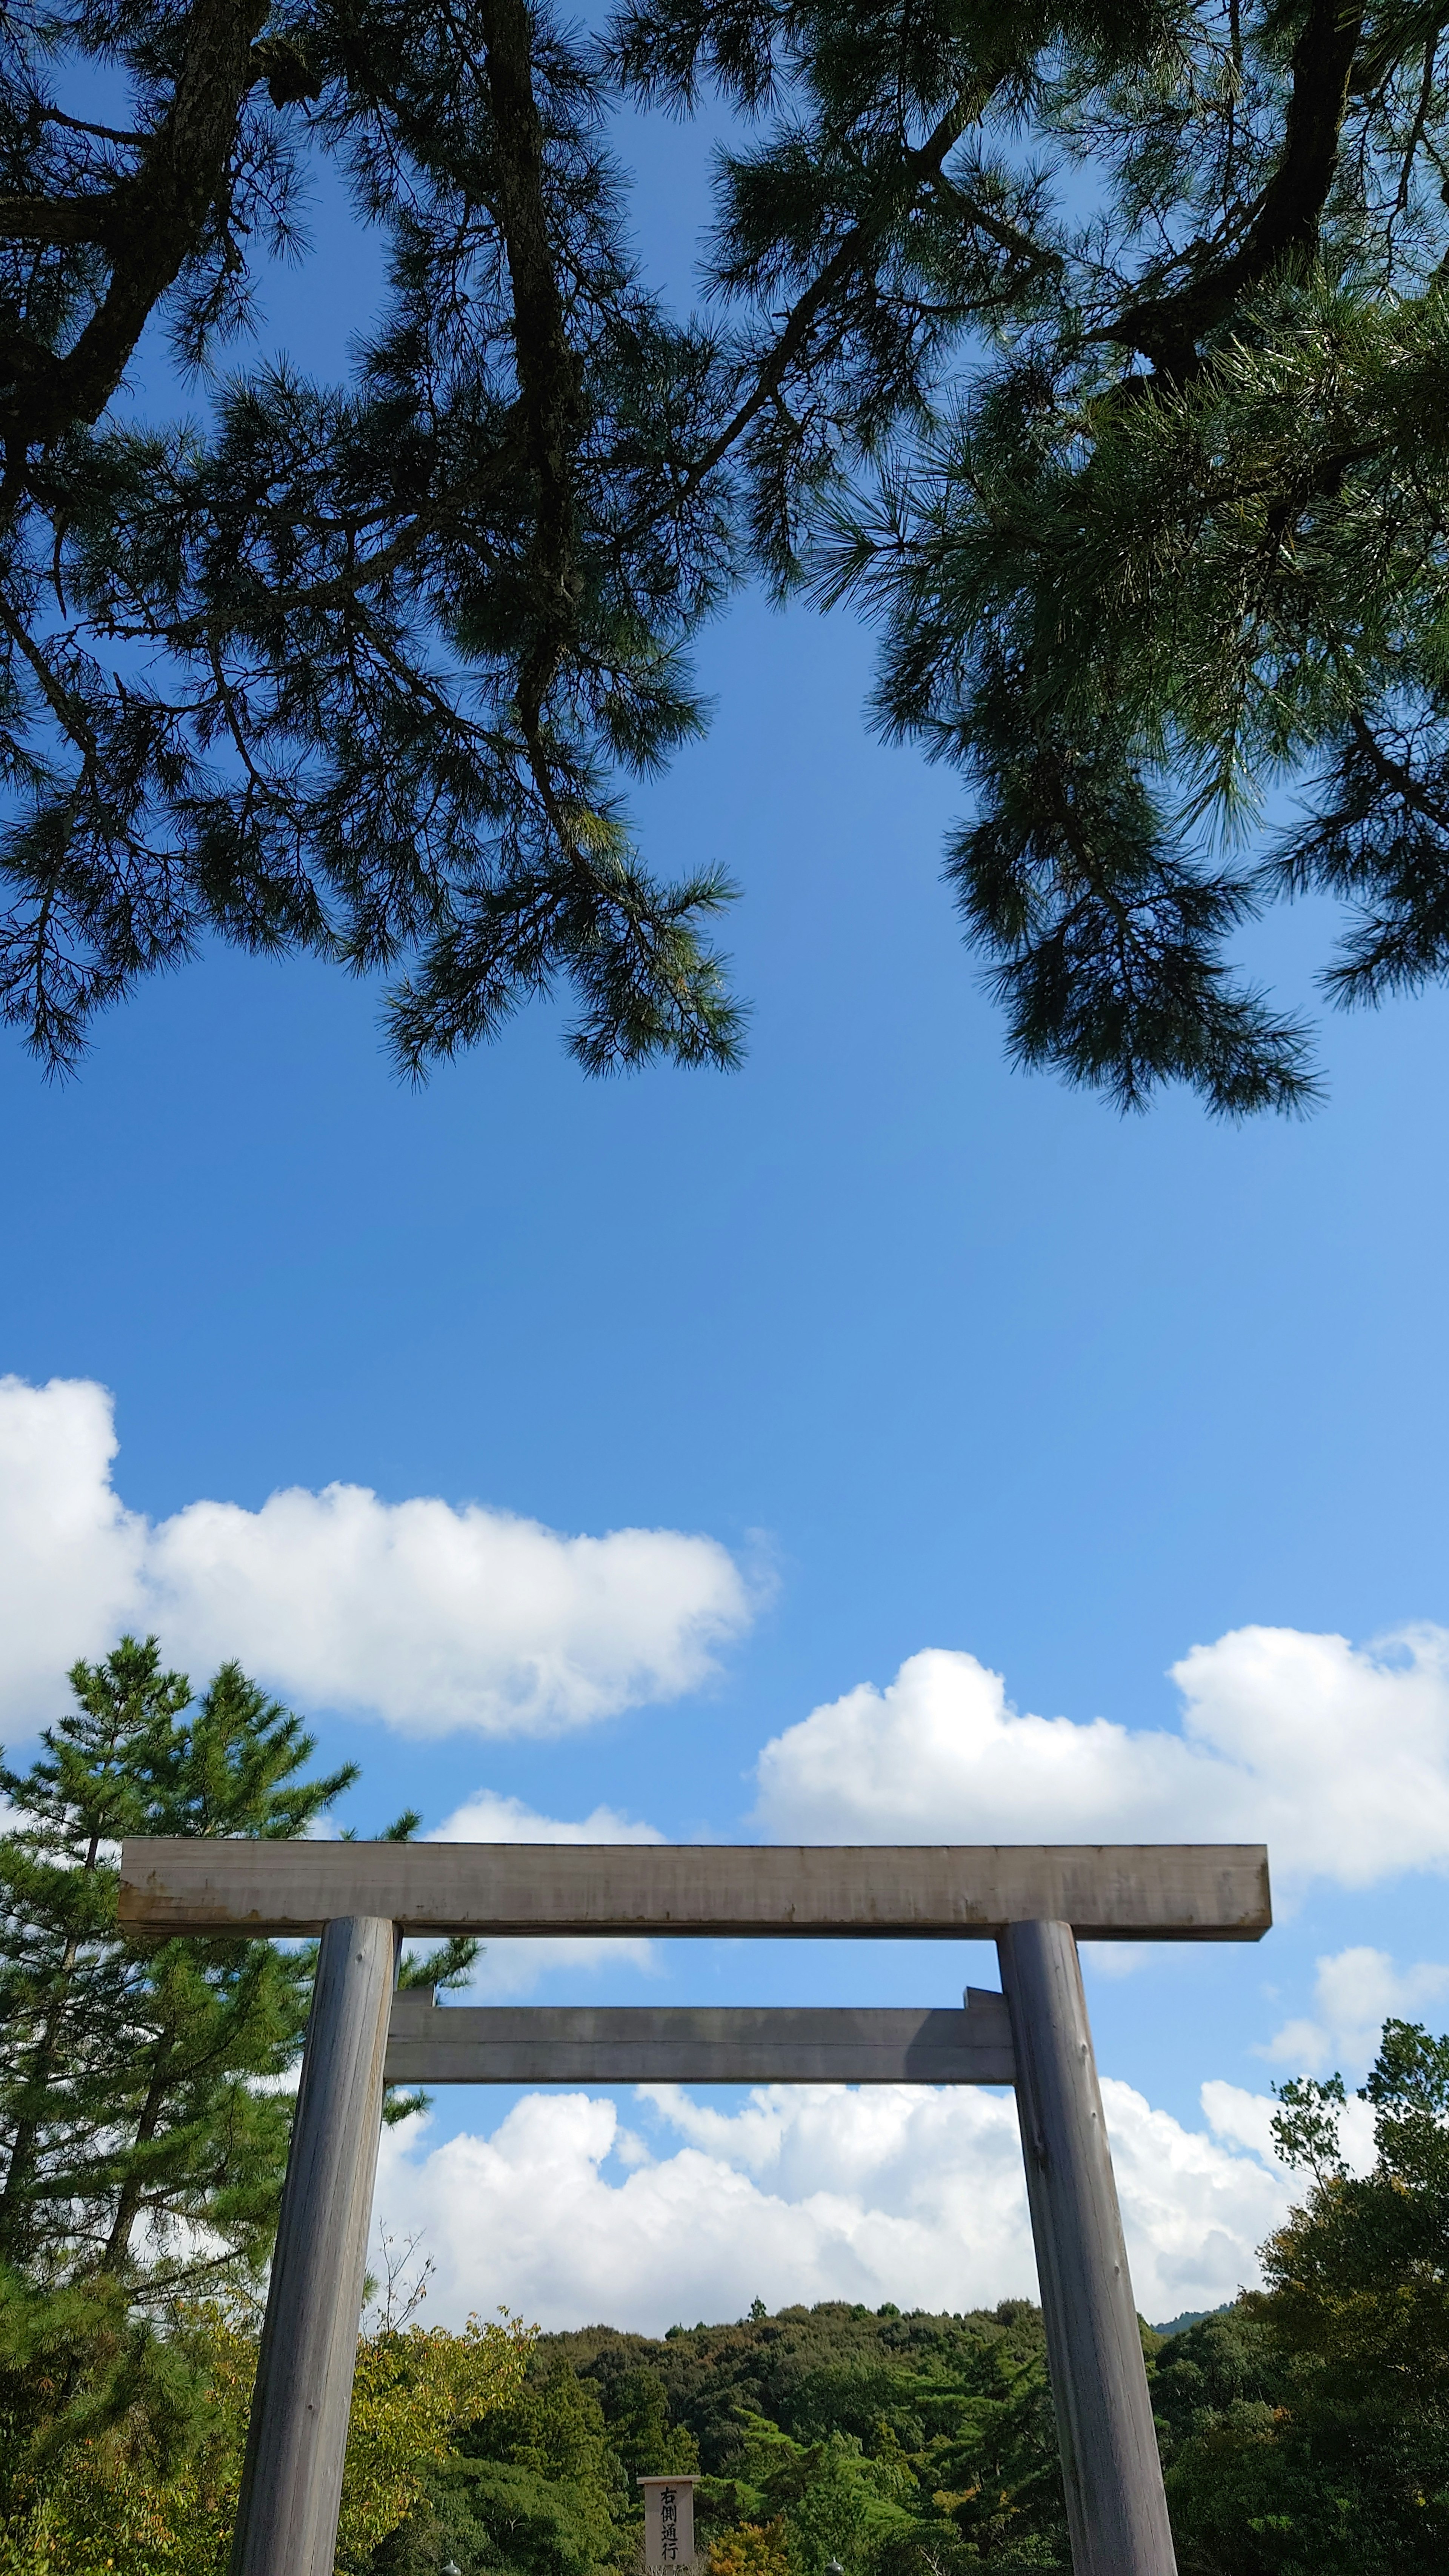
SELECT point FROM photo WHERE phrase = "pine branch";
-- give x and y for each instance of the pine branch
(1169, 329)
(549, 372)
(150, 224)
(916, 168)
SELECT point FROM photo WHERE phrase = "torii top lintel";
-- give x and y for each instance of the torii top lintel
(909, 1891)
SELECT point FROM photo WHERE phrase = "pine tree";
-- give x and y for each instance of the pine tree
(139, 2137)
(1097, 355)
(145, 2108)
(348, 673)
(1096, 349)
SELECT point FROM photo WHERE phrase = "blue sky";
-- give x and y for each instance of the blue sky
(939, 1355)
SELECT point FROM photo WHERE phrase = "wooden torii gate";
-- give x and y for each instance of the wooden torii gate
(1035, 1900)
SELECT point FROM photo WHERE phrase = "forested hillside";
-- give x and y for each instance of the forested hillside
(1304, 2430)
(889, 2442)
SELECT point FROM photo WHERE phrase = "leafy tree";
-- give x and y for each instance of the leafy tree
(414, 2392)
(536, 2489)
(642, 2436)
(751, 2549)
(1222, 2361)
(116, 2502)
(830, 2500)
(1096, 349)
(1309, 2431)
(899, 2445)
(1123, 320)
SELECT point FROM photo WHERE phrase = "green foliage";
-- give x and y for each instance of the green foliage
(413, 2392)
(537, 2488)
(831, 2500)
(131, 2110)
(124, 2502)
(1308, 2430)
(1095, 347)
(895, 2445)
(144, 2125)
(348, 670)
(751, 2549)
(1174, 540)
(640, 2432)
(144, 2120)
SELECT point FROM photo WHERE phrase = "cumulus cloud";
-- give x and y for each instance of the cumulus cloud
(1355, 1992)
(1246, 2120)
(568, 2214)
(1336, 1756)
(487, 1817)
(511, 1967)
(71, 1557)
(428, 1615)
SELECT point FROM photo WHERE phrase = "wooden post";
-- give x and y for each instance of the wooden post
(702, 1891)
(1116, 2508)
(291, 2486)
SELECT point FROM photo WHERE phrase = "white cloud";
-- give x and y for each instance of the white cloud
(1246, 2120)
(71, 1557)
(512, 1967)
(487, 1817)
(1336, 1756)
(428, 1615)
(803, 2193)
(1115, 1959)
(1355, 1992)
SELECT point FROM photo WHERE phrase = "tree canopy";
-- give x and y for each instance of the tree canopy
(896, 2446)
(1096, 349)
(1308, 2428)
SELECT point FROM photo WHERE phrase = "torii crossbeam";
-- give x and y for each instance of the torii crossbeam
(1035, 1900)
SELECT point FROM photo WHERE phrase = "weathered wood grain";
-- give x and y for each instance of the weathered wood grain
(286, 2522)
(693, 2044)
(1107, 1892)
(1116, 2508)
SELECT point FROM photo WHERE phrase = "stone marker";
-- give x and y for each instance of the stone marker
(668, 2523)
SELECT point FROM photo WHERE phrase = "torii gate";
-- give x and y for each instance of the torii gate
(1035, 1900)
